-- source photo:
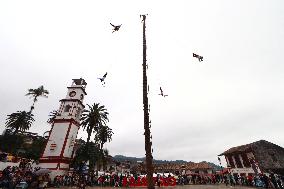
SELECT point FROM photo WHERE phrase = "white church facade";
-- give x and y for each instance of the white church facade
(59, 149)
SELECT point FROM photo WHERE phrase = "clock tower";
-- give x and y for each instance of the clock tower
(59, 149)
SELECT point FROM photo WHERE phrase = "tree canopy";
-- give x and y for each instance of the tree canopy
(94, 118)
(19, 121)
(35, 93)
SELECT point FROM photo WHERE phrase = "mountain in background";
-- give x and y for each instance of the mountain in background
(122, 158)
(214, 166)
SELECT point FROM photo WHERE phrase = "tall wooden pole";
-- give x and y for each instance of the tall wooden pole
(147, 133)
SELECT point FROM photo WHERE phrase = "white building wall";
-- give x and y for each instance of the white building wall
(64, 166)
(48, 165)
(57, 136)
(70, 141)
(246, 170)
(72, 113)
(78, 91)
(3, 165)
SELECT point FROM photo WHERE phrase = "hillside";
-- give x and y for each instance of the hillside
(122, 158)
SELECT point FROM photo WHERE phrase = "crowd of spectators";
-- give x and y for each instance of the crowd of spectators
(260, 180)
(11, 176)
(104, 180)
(119, 180)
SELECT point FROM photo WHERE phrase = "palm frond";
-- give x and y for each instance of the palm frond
(52, 115)
(21, 120)
(93, 118)
(35, 93)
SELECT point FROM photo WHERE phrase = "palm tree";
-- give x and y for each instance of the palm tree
(103, 135)
(35, 93)
(94, 118)
(52, 115)
(19, 121)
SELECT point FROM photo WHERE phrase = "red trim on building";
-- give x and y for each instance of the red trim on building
(52, 157)
(55, 157)
(55, 160)
(59, 159)
(73, 87)
(65, 140)
(58, 166)
(72, 100)
(67, 120)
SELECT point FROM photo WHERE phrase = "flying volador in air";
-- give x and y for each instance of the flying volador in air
(115, 28)
(162, 92)
(102, 79)
(200, 58)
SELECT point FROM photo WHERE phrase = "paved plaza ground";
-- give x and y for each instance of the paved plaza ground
(178, 187)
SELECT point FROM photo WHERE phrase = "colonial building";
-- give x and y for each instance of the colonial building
(257, 157)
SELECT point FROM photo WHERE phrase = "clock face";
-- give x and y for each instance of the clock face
(72, 93)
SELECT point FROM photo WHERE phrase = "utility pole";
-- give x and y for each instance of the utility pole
(147, 133)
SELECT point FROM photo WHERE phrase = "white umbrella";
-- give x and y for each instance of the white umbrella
(42, 171)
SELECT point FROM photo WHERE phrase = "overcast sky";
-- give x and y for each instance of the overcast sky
(235, 96)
